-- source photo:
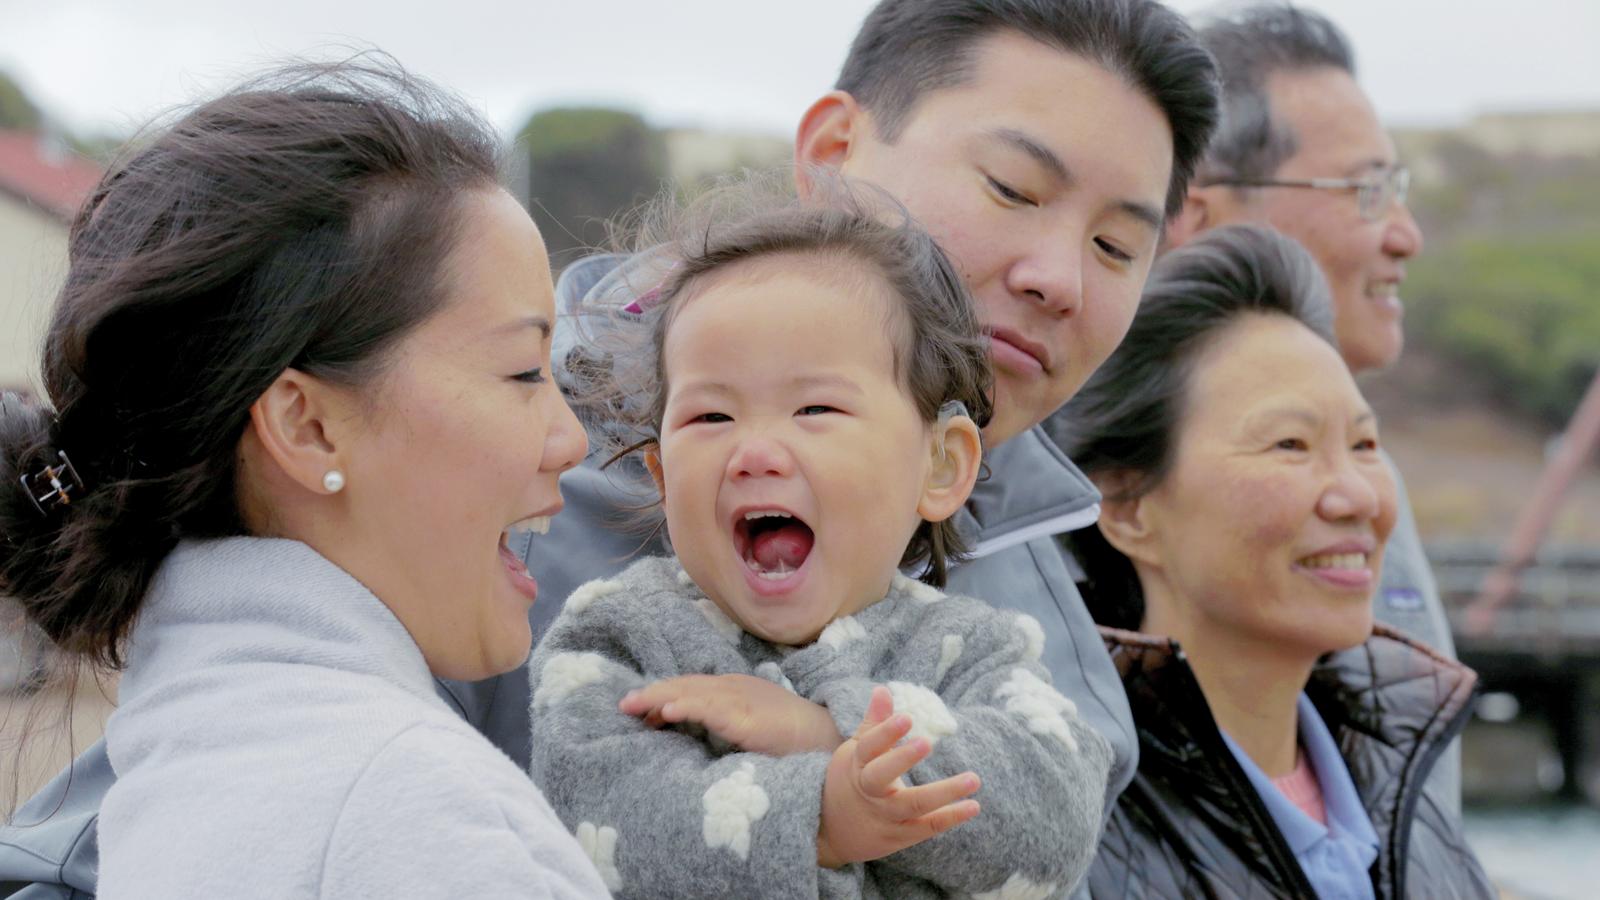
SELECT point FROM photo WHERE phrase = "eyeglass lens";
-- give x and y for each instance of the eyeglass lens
(1379, 195)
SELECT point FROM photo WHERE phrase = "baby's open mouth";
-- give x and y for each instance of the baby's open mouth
(772, 543)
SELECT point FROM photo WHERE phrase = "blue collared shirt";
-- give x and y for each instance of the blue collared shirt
(1335, 857)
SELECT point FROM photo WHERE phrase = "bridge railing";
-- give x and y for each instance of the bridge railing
(1556, 608)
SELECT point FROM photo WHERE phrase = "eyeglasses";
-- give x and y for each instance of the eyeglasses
(1375, 194)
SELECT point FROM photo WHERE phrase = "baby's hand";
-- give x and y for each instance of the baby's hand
(867, 810)
(751, 713)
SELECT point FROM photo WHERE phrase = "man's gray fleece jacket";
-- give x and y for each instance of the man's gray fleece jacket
(675, 813)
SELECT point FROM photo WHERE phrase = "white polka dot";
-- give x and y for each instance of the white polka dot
(771, 672)
(949, 651)
(600, 844)
(1018, 888)
(1040, 705)
(589, 593)
(565, 673)
(841, 632)
(917, 590)
(1032, 636)
(930, 718)
(732, 805)
(719, 620)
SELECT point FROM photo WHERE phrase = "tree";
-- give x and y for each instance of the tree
(587, 165)
(16, 110)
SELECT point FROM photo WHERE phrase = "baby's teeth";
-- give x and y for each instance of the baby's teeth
(532, 525)
(781, 572)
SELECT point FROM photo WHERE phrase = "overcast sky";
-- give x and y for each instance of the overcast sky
(108, 65)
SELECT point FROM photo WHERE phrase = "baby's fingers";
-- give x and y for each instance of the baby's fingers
(939, 821)
(879, 708)
(879, 776)
(874, 742)
(922, 801)
(648, 699)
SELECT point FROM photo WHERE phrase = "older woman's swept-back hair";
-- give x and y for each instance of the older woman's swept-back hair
(617, 379)
(1126, 418)
(301, 220)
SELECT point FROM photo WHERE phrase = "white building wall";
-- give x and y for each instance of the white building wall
(33, 263)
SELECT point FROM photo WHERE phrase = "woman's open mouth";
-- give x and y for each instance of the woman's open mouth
(774, 545)
(516, 567)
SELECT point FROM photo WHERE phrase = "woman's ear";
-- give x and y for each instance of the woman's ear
(652, 462)
(1124, 516)
(299, 423)
(827, 134)
(957, 456)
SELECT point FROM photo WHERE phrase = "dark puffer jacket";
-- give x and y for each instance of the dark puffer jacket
(1191, 824)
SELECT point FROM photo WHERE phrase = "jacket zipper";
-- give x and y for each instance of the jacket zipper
(1282, 857)
(1400, 839)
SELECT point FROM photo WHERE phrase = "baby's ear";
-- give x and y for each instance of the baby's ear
(652, 462)
(957, 454)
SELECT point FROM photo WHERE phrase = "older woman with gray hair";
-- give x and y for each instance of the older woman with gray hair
(1284, 739)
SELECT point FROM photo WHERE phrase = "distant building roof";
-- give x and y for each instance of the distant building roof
(44, 174)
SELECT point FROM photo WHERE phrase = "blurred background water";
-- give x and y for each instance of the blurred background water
(1539, 852)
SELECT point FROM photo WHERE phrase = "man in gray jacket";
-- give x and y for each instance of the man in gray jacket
(1043, 143)
(1300, 148)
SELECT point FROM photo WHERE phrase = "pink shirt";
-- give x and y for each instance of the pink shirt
(1303, 790)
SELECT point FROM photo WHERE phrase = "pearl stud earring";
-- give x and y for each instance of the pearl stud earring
(333, 481)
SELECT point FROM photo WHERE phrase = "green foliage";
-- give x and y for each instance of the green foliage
(586, 166)
(1521, 312)
(16, 110)
(1508, 286)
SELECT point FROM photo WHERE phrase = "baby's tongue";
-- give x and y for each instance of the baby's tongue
(789, 545)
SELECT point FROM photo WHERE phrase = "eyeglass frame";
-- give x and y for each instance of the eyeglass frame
(1371, 191)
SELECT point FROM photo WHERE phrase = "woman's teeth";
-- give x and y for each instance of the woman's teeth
(531, 525)
(1336, 561)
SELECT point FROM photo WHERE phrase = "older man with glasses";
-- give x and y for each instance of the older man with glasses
(1300, 148)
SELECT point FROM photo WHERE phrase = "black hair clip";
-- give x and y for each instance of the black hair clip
(61, 480)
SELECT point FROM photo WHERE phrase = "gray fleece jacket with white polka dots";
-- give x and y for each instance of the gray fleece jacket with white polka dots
(673, 814)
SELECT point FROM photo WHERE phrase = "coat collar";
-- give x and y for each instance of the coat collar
(229, 601)
(1391, 704)
(1032, 491)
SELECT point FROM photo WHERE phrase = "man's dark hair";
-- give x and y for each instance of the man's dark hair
(907, 48)
(1249, 45)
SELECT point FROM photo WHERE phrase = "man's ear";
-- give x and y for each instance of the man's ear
(1125, 520)
(1193, 218)
(297, 421)
(957, 456)
(827, 135)
(652, 462)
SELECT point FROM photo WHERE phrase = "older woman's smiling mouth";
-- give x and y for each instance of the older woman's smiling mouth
(1345, 565)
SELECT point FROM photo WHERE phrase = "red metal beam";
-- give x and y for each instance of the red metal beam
(1577, 445)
